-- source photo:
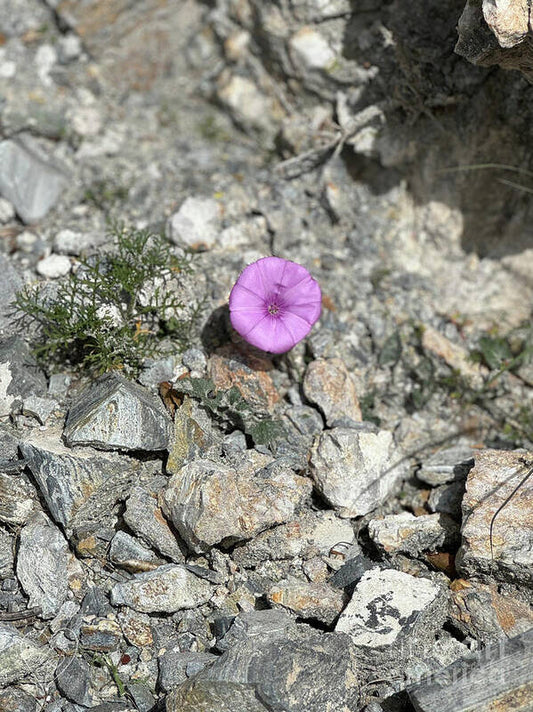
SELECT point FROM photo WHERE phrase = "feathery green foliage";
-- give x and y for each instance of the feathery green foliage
(117, 309)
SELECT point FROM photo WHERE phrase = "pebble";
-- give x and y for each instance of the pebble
(54, 266)
(117, 414)
(328, 384)
(447, 465)
(212, 502)
(7, 211)
(318, 601)
(18, 499)
(39, 408)
(311, 49)
(144, 517)
(196, 224)
(490, 483)
(412, 535)
(69, 47)
(22, 164)
(128, 553)
(354, 471)
(72, 242)
(42, 561)
(168, 589)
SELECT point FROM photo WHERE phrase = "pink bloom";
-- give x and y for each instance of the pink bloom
(274, 304)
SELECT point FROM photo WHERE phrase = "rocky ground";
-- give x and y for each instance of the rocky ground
(158, 550)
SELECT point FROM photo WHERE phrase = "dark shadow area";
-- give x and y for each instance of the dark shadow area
(461, 121)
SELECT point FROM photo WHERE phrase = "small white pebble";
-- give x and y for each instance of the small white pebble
(7, 211)
(54, 266)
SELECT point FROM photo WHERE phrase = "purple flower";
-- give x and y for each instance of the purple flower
(274, 304)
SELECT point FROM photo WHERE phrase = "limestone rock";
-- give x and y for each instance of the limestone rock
(20, 376)
(18, 499)
(20, 656)
(10, 283)
(318, 601)
(196, 223)
(168, 589)
(409, 534)
(328, 384)
(116, 414)
(211, 502)
(213, 696)
(193, 435)
(388, 612)
(71, 479)
(354, 471)
(29, 180)
(42, 562)
(498, 542)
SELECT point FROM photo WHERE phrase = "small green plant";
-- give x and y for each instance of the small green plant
(116, 309)
(228, 406)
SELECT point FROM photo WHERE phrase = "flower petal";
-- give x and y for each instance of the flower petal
(271, 334)
(241, 297)
(244, 320)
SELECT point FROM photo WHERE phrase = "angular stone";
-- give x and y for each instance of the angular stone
(102, 635)
(454, 355)
(193, 435)
(116, 414)
(354, 471)
(318, 601)
(16, 700)
(447, 499)
(42, 562)
(388, 612)
(479, 611)
(409, 534)
(168, 589)
(39, 408)
(267, 624)
(211, 502)
(311, 49)
(497, 529)
(128, 553)
(20, 377)
(144, 516)
(54, 266)
(7, 558)
(136, 627)
(305, 671)
(29, 180)
(329, 385)
(18, 655)
(18, 499)
(213, 696)
(10, 284)
(69, 479)
(195, 224)
(176, 666)
(447, 465)
(301, 424)
(231, 366)
(73, 678)
(308, 535)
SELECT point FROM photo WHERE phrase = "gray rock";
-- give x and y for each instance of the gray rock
(128, 553)
(168, 589)
(73, 679)
(389, 613)
(7, 211)
(144, 516)
(310, 534)
(268, 624)
(20, 657)
(316, 600)
(447, 465)
(195, 360)
(195, 224)
(159, 370)
(301, 424)
(141, 695)
(304, 671)
(412, 535)
(18, 499)
(497, 528)
(29, 180)
(42, 561)
(53, 266)
(10, 284)
(354, 471)
(329, 385)
(14, 699)
(101, 635)
(176, 666)
(447, 499)
(116, 414)
(7, 558)
(20, 377)
(193, 435)
(213, 696)
(71, 242)
(211, 502)
(39, 408)
(69, 479)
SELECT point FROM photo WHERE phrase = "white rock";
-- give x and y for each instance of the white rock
(69, 47)
(246, 102)
(45, 58)
(310, 49)
(54, 266)
(7, 211)
(86, 120)
(167, 589)
(196, 223)
(384, 605)
(354, 469)
(26, 241)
